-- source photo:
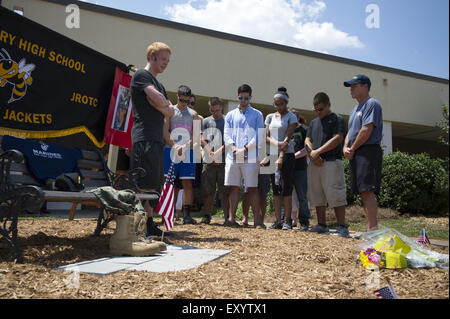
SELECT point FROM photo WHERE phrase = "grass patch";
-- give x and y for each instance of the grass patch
(409, 226)
(34, 218)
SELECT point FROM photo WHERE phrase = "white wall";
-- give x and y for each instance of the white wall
(212, 66)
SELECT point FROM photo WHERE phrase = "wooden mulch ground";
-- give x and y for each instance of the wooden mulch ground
(262, 264)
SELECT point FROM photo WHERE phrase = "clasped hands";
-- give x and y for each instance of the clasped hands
(215, 156)
(348, 153)
(238, 153)
(315, 158)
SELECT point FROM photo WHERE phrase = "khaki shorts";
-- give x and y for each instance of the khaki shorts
(326, 184)
(212, 175)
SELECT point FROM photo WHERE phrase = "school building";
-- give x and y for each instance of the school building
(214, 63)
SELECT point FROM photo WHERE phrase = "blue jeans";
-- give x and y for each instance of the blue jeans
(301, 187)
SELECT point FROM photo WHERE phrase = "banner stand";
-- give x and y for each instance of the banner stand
(119, 120)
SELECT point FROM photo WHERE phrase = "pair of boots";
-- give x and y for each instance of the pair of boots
(125, 241)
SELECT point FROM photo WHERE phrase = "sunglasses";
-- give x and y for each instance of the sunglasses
(319, 110)
(184, 101)
(245, 98)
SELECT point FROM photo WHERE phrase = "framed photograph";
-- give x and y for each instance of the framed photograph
(122, 109)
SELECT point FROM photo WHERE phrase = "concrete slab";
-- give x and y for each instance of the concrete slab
(102, 266)
(176, 258)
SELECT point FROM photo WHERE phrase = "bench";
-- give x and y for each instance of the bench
(21, 192)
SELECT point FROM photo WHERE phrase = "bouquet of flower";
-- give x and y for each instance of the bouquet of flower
(371, 259)
(387, 248)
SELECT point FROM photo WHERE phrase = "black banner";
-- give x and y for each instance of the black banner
(50, 85)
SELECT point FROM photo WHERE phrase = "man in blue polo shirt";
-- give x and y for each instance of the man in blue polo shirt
(362, 146)
(242, 143)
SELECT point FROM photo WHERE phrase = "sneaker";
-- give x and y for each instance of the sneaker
(206, 219)
(276, 225)
(303, 227)
(286, 226)
(319, 229)
(342, 231)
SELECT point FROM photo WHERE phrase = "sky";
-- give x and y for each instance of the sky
(411, 35)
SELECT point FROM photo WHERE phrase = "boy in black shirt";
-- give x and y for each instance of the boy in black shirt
(326, 179)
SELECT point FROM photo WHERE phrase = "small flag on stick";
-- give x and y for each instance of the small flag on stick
(423, 238)
(386, 293)
(165, 206)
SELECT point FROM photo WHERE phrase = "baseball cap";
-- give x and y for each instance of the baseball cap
(360, 78)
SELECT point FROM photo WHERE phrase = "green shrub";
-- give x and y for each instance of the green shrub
(414, 184)
(270, 204)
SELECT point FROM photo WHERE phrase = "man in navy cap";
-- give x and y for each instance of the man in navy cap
(362, 146)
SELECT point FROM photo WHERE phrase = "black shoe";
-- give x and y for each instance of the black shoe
(206, 219)
(276, 225)
(189, 220)
(153, 230)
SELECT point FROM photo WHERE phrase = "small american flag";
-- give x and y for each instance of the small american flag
(165, 206)
(423, 238)
(386, 293)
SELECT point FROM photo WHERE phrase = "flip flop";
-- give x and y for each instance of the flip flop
(246, 225)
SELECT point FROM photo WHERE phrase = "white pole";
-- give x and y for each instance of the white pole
(112, 157)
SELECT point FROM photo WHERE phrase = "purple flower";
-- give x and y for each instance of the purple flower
(369, 251)
(374, 259)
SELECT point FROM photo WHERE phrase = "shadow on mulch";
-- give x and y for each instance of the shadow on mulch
(39, 249)
(53, 251)
(193, 237)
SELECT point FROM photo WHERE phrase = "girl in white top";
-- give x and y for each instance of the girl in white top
(279, 128)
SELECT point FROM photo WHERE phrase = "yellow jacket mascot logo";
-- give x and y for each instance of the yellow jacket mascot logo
(18, 75)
